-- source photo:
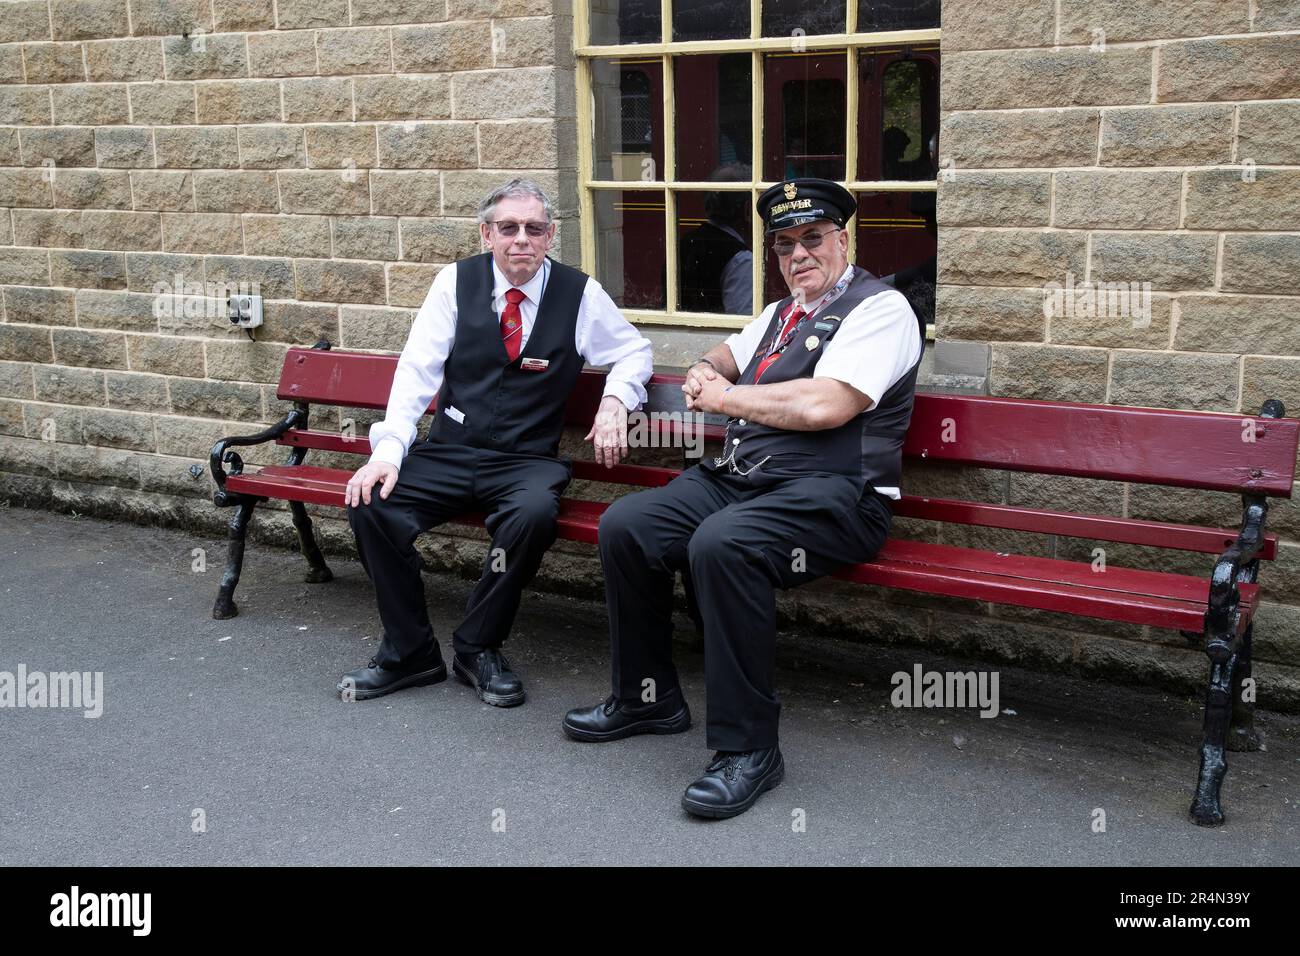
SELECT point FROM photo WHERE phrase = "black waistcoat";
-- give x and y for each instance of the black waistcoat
(505, 407)
(867, 448)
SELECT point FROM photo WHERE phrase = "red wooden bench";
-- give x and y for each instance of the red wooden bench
(1254, 457)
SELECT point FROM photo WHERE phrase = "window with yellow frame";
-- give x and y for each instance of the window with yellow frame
(695, 106)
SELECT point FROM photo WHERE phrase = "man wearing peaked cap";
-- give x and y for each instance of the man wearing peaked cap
(798, 202)
(817, 391)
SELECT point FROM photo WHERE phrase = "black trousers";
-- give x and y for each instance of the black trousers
(740, 538)
(520, 495)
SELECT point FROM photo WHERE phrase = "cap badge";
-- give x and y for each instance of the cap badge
(791, 190)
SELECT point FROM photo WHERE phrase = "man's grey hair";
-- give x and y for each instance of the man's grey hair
(515, 189)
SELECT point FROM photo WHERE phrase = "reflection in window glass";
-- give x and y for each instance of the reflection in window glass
(896, 234)
(710, 19)
(715, 264)
(628, 97)
(874, 15)
(803, 122)
(898, 117)
(630, 261)
(794, 18)
(625, 21)
(713, 119)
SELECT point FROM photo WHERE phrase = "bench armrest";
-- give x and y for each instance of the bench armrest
(221, 452)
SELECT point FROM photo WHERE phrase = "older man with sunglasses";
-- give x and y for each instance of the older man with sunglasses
(500, 340)
(818, 395)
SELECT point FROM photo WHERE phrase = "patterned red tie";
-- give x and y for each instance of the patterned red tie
(791, 321)
(512, 323)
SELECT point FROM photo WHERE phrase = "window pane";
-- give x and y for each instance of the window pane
(783, 18)
(715, 263)
(876, 15)
(714, 93)
(629, 97)
(710, 19)
(896, 238)
(898, 113)
(625, 21)
(630, 247)
(803, 115)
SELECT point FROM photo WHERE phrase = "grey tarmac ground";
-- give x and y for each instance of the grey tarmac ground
(240, 719)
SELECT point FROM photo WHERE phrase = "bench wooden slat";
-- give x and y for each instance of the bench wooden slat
(1075, 574)
(1154, 534)
(1086, 602)
(350, 379)
(1152, 446)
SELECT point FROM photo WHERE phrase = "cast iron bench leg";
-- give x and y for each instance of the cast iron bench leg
(1243, 737)
(1206, 810)
(317, 570)
(225, 606)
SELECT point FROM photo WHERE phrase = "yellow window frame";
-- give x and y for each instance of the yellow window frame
(756, 45)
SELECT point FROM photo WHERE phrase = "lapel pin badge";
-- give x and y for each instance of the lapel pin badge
(811, 342)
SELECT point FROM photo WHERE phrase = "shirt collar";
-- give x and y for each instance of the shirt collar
(532, 288)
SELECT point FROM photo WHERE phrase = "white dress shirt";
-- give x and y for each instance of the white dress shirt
(875, 346)
(602, 337)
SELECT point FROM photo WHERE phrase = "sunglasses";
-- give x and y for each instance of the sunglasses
(509, 228)
(784, 246)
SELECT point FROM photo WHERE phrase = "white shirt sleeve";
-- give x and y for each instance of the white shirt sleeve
(875, 346)
(419, 371)
(605, 337)
(744, 342)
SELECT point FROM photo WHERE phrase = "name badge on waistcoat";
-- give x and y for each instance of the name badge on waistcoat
(534, 365)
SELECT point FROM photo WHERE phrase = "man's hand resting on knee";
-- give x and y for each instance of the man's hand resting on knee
(366, 477)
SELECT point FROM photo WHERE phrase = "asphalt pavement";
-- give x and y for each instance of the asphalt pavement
(223, 742)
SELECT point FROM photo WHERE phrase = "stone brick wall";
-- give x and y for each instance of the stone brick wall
(1129, 141)
(327, 154)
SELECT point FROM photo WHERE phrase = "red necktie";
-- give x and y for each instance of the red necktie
(512, 323)
(791, 321)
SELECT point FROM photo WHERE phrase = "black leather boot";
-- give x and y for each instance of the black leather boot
(375, 681)
(489, 673)
(733, 781)
(615, 719)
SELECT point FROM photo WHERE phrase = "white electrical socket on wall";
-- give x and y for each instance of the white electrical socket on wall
(245, 311)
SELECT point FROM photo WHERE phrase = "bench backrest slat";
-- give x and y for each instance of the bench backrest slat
(1116, 443)
(1152, 446)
